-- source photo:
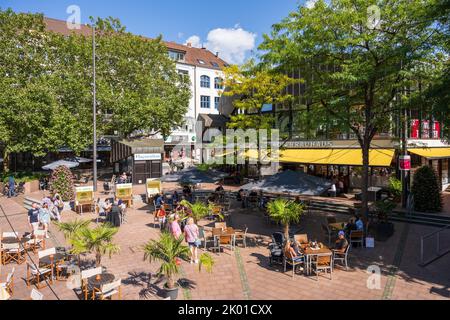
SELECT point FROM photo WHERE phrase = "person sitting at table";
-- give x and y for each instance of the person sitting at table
(220, 188)
(291, 253)
(359, 224)
(161, 215)
(341, 243)
(159, 201)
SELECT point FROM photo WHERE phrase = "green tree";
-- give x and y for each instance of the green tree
(285, 212)
(138, 83)
(36, 81)
(97, 241)
(252, 87)
(199, 209)
(427, 190)
(357, 69)
(69, 229)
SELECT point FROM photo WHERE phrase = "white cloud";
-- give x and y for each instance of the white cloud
(233, 44)
(310, 3)
(180, 35)
(194, 41)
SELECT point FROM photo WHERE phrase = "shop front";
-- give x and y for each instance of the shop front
(142, 159)
(434, 153)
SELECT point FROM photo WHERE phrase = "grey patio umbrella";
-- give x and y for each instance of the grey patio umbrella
(193, 175)
(56, 164)
(291, 182)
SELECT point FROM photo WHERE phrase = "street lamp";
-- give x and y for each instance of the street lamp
(94, 111)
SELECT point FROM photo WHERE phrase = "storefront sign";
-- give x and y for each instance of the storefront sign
(147, 156)
(308, 144)
(405, 163)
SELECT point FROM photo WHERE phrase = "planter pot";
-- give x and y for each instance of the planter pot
(31, 186)
(384, 230)
(171, 293)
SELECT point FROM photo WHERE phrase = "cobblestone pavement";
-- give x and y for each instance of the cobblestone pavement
(246, 273)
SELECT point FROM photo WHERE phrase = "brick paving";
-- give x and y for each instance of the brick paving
(246, 274)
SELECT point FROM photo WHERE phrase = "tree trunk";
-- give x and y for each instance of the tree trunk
(286, 234)
(98, 260)
(6, 158)
(365, 179)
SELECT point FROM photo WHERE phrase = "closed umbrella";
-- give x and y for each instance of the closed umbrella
(56, 164)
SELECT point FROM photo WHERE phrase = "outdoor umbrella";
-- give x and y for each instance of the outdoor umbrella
(193, 175)
(291, 182)
(56, 164)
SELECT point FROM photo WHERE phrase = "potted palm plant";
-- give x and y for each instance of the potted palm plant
(170, 251)
(97, 241)
(285, 212)
(69, 229)
(199, 209)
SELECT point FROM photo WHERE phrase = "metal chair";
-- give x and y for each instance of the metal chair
(242, 236)
(293, 262)
(357, 236)
(301, 238)
(342, 256)
(323, 263)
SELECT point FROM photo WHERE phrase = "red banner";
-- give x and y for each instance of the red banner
(436, 130)
(415, 128)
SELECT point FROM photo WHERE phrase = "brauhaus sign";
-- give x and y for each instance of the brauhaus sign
(308, 144)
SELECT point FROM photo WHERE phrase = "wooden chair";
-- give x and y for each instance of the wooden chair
(36, 295)
(38, 274)
(13, 252)
(85, 275)
(37, 241)
(108, 290)
(9, 284)
(357, 236)
(242, 236)
(323, 263)
(341, 256)
(301, 238)
(10, 235)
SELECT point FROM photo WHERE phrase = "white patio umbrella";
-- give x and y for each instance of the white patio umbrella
(56, 164)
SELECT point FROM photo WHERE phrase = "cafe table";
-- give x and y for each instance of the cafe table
(101, 279)
(228, 232)
(310, 253)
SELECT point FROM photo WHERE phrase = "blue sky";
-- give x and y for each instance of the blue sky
(232, 27)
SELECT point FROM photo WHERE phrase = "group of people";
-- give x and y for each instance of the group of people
(40, 215)
(123, 178)
(175, 225)
(112, 209)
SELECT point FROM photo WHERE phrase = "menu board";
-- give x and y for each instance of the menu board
(153, 187)
(84, 194)
(124, 190)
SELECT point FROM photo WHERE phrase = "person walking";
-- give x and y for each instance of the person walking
(33, 218)
(175, 228)
(44, 218)
(11, 187)
(191, 234)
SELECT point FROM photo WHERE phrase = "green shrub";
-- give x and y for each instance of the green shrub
(61, 182)
(427, 190)
(22, 176)
(395, 188)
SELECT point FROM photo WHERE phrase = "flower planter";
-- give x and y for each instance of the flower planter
(32, 186)
(171, 293)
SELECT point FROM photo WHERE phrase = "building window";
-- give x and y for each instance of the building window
(215, 64)
(201, 61)
(205, 102)
(205, 82)
(176, 56)
(216, 102)
(218, 83)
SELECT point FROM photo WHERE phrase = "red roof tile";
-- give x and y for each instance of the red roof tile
(193, 56)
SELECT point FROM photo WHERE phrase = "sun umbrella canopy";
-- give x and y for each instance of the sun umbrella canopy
(193, 175)
(56, 164)
(291, 182)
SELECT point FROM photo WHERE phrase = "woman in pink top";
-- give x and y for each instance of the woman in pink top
(191, 235)
(175, 227)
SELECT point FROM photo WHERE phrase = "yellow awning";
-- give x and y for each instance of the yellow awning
(432, 153)
(350, 157)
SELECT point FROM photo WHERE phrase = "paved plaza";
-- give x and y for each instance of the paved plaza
(245, 274)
